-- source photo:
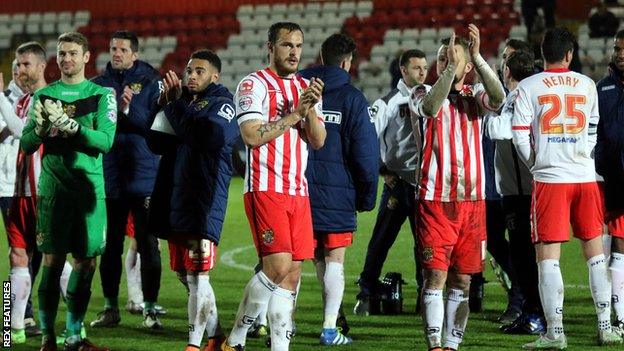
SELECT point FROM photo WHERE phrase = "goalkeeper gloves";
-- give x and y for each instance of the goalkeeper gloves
(66, 126)
(42, 124)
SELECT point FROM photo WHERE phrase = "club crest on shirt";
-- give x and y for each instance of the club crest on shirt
(136, 88)
(267, 237)
(200, 105)
(392, 203)
(70, 110)
(40, 238)
(427, 254)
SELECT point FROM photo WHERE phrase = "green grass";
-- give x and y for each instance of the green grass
(402, 332)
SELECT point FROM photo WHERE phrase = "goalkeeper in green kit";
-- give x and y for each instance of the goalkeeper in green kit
(74, 120)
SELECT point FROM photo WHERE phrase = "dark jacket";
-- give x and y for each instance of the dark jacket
(130, 167)
(200, 166)
(342, 176)
(609, 151)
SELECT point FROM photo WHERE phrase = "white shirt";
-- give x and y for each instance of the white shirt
(554, 126)
(399, 140)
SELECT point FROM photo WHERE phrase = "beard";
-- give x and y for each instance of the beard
(285, 69)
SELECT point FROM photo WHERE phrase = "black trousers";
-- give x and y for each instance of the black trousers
(147, 246)
(517, 210)
(397, 204)
(500, 248)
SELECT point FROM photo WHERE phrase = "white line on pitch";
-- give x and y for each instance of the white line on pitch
(228, 258)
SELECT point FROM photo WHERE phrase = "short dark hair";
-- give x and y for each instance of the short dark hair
(32, 47)
(336, 48)
(518, 45)
(619, 34)
(459, 41)
(208, 55)
(409, 54)
(521, 64)
(556, 43)
(275, 28)
(127, 35)
(75, 37)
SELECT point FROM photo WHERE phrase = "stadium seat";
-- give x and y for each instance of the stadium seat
(81, 18)
(33, 23)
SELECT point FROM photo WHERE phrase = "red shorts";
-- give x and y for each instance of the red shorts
(615, 221)
(333, 240)
(451, 235)
(130, 226)
(21, 230)
(196, 256)
(280, 223)
(557, 205)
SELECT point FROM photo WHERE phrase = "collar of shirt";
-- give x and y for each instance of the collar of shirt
(405, 91)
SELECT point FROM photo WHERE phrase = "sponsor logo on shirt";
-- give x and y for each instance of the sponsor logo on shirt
(73, 93)
(227, 111)
(332, 116)
(608, 87)
(112, 116)
(246, 87)
(562, 140)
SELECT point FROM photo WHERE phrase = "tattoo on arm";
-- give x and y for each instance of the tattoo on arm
(273, 126)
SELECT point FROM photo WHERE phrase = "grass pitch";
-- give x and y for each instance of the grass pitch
(404, 332)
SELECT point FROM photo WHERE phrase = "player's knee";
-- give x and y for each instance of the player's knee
(85, 264)
(435, 279)
(18, 258)
(617, 245)
(459, 281)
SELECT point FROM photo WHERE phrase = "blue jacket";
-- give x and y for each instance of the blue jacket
(130, 167)
(202, 168)
(609, 151)
(342, 176)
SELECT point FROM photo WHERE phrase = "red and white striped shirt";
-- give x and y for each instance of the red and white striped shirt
(28, 166)
(452, 163)
(280, 164)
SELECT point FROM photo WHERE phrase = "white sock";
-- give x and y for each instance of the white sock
(133, 276)
(192, 308)
(600, 287)
(334, 290)
(67, 269)
(20, 291)
(212, 328)
(256, 297)
(202, 309)
(617, 280)
(281, 307)
(551, 294)
(433, 315)
(457, 312)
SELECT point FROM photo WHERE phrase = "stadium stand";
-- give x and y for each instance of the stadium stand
(236, 30)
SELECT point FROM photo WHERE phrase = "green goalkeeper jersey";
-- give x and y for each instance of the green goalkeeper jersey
(72, 166)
